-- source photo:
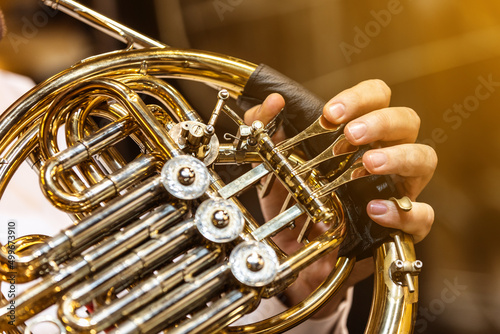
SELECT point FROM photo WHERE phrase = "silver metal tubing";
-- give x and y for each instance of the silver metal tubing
(101, 255)
(138, 297)
(228, 154)
(107, 188)
(133, 235)
(116, 213)
(176, 303)
(220, 314)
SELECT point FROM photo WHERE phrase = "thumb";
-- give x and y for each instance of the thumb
(266, 111)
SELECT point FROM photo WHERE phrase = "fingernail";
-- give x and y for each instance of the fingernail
(357, 130)
(336, 111)
(377, 159)
(377, 208)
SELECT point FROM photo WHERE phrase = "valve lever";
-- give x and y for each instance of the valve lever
(404, 203)
(340, 147)
(320, 126)
(356, 171)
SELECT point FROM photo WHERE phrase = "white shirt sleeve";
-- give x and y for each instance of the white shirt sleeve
(12, 86)
(23, 203)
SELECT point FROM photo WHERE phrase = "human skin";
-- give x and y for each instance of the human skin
(391, 132)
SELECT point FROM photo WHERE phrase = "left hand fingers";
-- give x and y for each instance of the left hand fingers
(356, 101)
(389, 125)
(418, 221)
(415, 162)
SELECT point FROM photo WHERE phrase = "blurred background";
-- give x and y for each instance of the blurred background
(440, 57)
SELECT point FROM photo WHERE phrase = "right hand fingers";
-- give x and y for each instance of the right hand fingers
(265, 112)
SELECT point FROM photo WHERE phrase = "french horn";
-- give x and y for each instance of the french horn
(161, 242)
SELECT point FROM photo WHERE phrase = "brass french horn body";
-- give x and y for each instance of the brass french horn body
(161, 242)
